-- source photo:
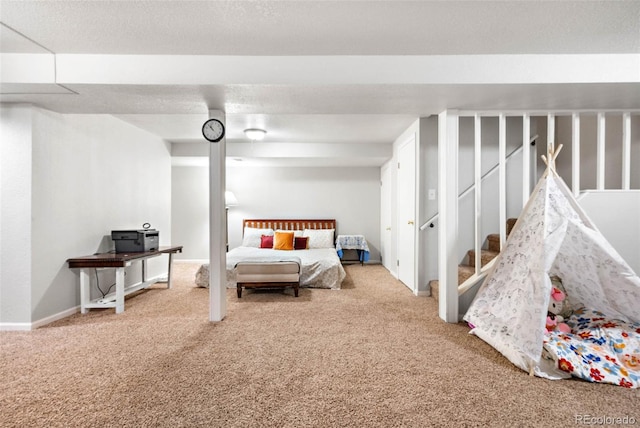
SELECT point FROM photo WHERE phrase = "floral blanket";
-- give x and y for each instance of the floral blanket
(597, 349)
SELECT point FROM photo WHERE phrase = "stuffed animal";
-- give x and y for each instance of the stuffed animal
(554, 319)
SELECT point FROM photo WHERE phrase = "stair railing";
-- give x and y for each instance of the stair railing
(448, 136)
(429, 223)
(481, 271)
(477, 276)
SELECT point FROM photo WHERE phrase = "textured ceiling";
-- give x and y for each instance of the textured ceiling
(330, 105)
(328, 27)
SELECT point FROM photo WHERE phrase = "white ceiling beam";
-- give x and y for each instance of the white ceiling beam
(17, 68)
(319, 162)
(348, 69)
(288, 150)
(285, 150)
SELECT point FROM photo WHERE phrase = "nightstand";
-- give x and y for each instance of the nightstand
(353, 242)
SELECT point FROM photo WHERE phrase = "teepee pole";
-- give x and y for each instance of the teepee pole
(550, 158)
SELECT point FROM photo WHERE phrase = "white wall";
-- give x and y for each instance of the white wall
(386, 210)
(90, 174)
(428, 238)
(350, 195)
(190, 211)
(15, 213)
(616, 214)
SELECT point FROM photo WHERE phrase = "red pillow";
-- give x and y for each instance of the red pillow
(300, 242)
(266, 241)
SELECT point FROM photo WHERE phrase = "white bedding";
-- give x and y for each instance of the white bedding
(321, 267)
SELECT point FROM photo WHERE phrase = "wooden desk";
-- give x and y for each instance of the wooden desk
(117, 261)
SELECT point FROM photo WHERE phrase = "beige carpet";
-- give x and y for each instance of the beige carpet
(369, 355)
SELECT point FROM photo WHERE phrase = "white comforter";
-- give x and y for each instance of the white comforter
(321, 267)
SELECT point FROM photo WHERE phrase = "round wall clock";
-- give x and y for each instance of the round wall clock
(213, 130)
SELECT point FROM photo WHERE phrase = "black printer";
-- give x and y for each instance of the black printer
(135, 241)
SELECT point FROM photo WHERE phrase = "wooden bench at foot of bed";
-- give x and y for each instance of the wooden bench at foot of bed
(268, 275)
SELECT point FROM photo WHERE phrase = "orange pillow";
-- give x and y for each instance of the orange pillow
(283, 241)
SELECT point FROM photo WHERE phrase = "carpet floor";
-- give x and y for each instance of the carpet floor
(369, 355)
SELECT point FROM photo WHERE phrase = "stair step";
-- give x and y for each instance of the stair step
(434, 286)
(464, 272)
(485, 257)
(493, 242)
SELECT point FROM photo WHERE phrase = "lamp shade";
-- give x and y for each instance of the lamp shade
(230, 199)
(255, 134)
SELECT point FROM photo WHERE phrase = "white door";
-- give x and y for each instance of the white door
(406, 228)
(386, 252)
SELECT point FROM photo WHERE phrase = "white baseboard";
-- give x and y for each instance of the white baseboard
(15, 326)
(424, 293)
(393, 274)
(55, 317)
(26, 326)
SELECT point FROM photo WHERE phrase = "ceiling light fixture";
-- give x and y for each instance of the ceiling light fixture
(255, 134)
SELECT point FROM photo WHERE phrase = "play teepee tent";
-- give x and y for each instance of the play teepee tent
(552, 236)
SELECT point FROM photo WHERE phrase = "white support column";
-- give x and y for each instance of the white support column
(217, 226)
(600, 152)
(575, 150)
(526, 158)
(448, 217)
(502, 177)
(626, 151)
(477, 168)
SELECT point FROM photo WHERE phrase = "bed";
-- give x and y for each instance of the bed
(598, 349)
(320, 266)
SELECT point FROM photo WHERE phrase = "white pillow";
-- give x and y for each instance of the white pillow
(252, 236)
(295, 232)
(320, 238)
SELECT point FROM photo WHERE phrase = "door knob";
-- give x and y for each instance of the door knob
(388, 228)
(410, 222)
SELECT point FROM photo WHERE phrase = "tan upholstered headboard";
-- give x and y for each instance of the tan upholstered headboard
(293, 224)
